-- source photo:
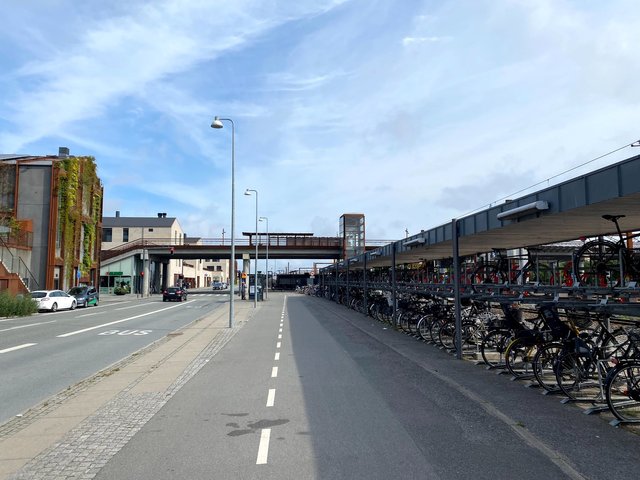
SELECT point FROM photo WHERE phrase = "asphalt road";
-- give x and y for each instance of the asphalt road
(45, 353)
(337, 396)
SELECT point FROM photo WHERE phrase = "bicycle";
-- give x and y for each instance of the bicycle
(501, 270)
(606, 262)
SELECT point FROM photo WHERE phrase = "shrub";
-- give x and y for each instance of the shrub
(18, 306)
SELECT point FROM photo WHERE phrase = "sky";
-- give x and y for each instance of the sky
(412, 112)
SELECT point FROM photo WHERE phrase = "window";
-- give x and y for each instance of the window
(107, 235)
(125, 234)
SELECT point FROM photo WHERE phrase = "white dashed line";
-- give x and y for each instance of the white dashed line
(278, 345)
(263, 448)
(274, 372)
(271, 397)
(17, 347)
(277, 357)
(280, 337)
(25, 326)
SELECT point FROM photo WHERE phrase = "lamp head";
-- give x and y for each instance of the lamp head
(262, 219)
(247, 192)
(217, 123)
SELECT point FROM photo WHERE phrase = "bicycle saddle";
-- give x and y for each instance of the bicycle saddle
(613, 218)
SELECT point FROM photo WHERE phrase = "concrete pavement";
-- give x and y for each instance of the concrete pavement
(73, 434)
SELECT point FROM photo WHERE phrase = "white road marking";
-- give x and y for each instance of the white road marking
(263, 448)
(280, 331)
(280, 337)
(278, 344)
(91, 314)
(118, 321)
(274, 372)
(271, 397)
(18, 347)
(25, 326)
(134, 306)
(277, 357)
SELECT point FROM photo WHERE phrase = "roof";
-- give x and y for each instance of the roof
(132, 222)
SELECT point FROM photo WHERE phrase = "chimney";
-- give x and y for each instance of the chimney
(117, 213)
(63, 152)
(164, 215)
(159, 215)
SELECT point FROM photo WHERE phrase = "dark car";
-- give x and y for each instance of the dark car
(85, 295)
(178, 294)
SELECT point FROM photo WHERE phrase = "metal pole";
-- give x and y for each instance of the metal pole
(393, 281)
(456, 287)
(217, 123)
(266, 262)
(255, 278)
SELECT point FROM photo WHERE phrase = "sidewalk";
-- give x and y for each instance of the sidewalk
(73, 434)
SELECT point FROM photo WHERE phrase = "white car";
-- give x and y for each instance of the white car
(53, 300)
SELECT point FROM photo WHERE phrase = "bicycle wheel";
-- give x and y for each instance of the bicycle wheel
(493, 347)
(598, 264)
(447, 335)
(519, 357)
(423, 327)
(623, 392)
(577, 377)
(544, 365)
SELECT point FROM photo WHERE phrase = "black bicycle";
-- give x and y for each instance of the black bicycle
(607, 262)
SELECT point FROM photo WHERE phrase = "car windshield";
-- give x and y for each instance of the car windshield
(77, 290)
(172, 289)
(38, 294)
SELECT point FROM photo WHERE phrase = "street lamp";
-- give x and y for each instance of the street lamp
(266, 262)
(217, 123)
(255, 278)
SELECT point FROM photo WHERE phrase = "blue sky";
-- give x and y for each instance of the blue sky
(411, 112)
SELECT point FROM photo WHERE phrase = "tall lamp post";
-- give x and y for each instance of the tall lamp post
(266, 261)
(255, 273)
(217, 123)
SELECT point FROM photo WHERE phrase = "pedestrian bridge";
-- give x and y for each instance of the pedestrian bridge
(282, 246)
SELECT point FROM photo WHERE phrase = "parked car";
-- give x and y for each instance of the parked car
(178, 294)
(85, 296)
(53, 300)
(218, 286)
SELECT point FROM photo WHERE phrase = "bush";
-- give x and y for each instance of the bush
(18, 306)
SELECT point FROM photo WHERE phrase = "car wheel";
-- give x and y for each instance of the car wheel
(96, 304)
(86, 303)
(54, 307)
(73, 305)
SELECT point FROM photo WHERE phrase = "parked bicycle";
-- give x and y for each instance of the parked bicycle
(606, 262)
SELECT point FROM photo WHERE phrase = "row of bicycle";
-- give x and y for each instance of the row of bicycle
(583, 355)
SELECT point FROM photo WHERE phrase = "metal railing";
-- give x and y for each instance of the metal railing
(14, 264)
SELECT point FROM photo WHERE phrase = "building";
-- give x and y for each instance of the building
(123, 239)
(122, 249)
(50, 217)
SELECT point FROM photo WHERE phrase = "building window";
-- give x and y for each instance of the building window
(107, 235)
(125, 234)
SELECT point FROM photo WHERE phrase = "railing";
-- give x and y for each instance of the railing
(274, 241)
(16, 265)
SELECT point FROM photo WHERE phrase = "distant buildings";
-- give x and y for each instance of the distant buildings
(50, 221)
(123, 239)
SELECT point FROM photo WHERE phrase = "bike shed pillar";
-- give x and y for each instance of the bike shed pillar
(364, 285)
(336, 284)
(456, 287)
(347, 304)
(393, 281)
